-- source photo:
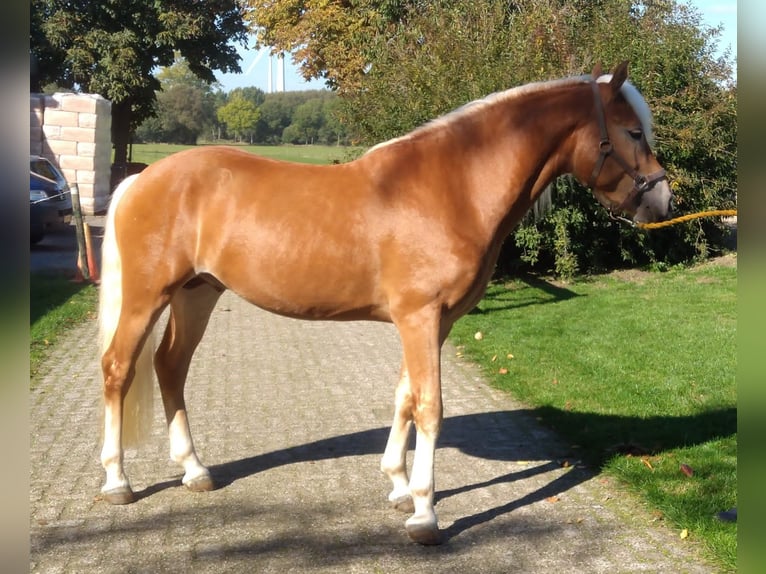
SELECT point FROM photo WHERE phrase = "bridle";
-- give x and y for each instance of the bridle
(641, 183)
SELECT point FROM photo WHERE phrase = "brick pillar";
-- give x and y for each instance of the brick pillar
(76, 134)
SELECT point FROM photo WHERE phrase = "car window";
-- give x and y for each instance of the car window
(44, 168)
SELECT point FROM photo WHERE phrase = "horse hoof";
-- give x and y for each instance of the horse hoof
(424, 533)
(202, 483)
(404, 504)
(121, 495)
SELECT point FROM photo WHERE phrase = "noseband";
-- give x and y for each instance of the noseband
(641, 183)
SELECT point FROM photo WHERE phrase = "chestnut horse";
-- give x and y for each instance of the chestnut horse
(408, 233)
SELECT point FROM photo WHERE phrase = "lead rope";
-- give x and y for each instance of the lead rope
(689, 217)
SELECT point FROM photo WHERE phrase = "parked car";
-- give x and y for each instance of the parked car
(50, 201)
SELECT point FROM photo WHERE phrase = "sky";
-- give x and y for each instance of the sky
(255, 65)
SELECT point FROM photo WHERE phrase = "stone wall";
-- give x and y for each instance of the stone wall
(75, 132)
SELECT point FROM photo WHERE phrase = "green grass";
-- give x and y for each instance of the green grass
(636, 371)
(56, 304)
(317, 154)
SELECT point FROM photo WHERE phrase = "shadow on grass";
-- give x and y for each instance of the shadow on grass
(601, 437)
(545, 292)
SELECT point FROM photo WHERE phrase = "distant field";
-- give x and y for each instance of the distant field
(317, 154)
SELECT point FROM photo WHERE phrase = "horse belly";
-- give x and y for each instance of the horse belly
(300, 279)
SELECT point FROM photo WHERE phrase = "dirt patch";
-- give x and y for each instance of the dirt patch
(632, 275)
(728, 260)
(639, 276)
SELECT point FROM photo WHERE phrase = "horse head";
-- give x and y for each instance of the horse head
(617, 162)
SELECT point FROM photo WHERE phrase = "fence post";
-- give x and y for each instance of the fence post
(82, 250)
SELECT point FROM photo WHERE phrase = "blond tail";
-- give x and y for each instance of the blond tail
(137, 407)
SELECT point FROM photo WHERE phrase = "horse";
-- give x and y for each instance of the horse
(408, 233)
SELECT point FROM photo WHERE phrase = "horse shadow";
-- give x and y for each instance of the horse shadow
(495, 436)
(543, 292)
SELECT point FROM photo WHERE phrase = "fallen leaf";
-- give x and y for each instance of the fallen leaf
(555, 381)
(647, 463)
(565, 464)
(478, 336)
(509, 356)
(687, 470)
(494, 358)
(503, 371)
(552, 499)
(684, 534)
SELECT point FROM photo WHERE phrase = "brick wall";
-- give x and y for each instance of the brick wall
(75, 132)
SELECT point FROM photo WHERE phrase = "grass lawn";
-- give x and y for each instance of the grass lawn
(636, 371)
(318, 154)
(55, 305)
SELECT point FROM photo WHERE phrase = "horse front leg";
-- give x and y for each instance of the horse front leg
(394, 461)
(190, 310)
(421, 342)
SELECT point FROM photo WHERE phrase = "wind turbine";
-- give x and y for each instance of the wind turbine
(280, 69)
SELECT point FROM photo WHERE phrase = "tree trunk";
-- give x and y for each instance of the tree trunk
(121, 116)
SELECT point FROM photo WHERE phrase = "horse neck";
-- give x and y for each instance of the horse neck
(515, 148)
(485, 165)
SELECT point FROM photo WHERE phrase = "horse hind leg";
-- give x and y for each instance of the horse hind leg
(190, 309)
(123, 367)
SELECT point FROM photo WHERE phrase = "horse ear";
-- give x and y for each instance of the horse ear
(619, 76)
(597, 71)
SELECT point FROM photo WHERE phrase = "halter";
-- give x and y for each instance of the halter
(641, 183)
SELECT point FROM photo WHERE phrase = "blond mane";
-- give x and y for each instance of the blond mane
(630, 93)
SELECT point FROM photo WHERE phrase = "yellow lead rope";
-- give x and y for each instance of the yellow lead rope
(689, 217)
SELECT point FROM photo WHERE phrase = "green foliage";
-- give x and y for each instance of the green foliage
(240, 116)
(315, 121)
(184, 109)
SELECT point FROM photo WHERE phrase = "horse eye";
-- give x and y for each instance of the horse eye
(636, 134)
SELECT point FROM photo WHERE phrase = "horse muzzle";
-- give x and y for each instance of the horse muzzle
(655, 203)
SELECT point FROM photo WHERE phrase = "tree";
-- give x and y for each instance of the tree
(185, 107)
(307, 122)
(240, 115)
(112, 47)
(328, 38)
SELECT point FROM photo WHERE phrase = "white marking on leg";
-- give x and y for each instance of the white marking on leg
(112, 454)
(182, 448)
(394, 461)
(422, 478)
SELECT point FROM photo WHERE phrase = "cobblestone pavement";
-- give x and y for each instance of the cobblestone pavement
(292, 418)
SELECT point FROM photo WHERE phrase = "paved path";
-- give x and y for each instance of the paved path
(292, 418)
